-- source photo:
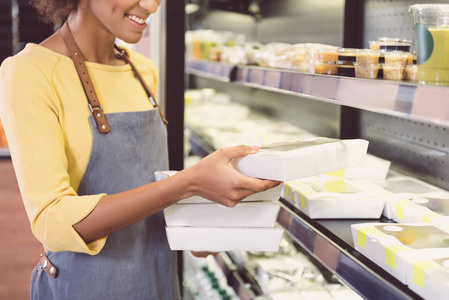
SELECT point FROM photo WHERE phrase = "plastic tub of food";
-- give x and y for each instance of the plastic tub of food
(394, 44)
(374, 45)
(396, 58)
(411, 72)
(325, 55)
(329, 68)
(367, 56)
(410, 59)
(382, 57)
(380, 74)
(366, 70)
(393, 72)
(346, 55)
(345, 68)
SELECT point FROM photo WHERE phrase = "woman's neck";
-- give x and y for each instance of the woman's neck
(93, 39)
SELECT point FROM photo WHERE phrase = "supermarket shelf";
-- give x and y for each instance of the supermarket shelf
(241, 287)
(400, 98)
(330, 242)
(214, 70)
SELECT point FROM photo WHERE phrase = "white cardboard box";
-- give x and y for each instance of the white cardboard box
(413, 200)
(217, 239)
(288, 161)
(248, 214)
(329, 197)
(427, 272)
(386, 243)
(272, 194)
(373, 168)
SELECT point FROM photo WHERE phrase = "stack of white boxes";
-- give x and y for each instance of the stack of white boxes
(198, 224)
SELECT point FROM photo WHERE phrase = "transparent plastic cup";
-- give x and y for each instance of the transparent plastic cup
(432, 42)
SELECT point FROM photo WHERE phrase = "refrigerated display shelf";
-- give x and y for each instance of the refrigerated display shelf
(214, 70)
(399, 98)
(242, 288)
(330, 242)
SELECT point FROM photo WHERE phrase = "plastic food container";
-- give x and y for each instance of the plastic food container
(411, 72)
(374, 45)
(366, 70)
(396, 58)
(345, 69)
(394, 44)
(325, 55)
(346, 55)
(382, 57)
(393, 72)
(367, 56)
(329, 68)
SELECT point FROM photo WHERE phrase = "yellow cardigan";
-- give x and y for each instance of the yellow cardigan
(45, 114)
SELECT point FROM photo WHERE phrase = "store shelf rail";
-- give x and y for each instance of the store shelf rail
(330, 242)
(400, 98)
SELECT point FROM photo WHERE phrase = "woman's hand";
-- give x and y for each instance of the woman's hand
(203, 253)
(215, 178)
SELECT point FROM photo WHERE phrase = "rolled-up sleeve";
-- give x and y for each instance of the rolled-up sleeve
(30, 115)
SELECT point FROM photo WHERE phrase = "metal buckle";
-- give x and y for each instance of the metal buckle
(92, 109)
(154, 103)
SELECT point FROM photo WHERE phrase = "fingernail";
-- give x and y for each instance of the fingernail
(257, 148)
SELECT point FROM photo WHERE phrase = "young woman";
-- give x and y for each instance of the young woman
(85, 142)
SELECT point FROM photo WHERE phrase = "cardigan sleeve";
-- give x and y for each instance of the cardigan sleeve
(29, 113)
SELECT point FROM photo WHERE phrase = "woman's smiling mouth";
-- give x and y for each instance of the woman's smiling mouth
(136, 19)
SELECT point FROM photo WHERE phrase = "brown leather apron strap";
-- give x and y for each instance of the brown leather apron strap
(123, 55)
(47, 266)
(94, 104)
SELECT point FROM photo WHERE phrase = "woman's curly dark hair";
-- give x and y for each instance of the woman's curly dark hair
(54, 11)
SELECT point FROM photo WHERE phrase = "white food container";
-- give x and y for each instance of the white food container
(386, 244)
(217, 239)
(328, 197)
(286, 161)
(248, 214)
(427, 272)
(415, 201)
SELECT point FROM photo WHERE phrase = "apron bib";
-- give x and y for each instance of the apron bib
(136, 262)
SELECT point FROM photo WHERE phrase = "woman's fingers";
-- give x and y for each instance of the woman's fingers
(203, 253)
(216, 179)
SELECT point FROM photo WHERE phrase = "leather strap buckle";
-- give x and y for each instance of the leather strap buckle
(94, 104)
(92, 109)
(47, 266)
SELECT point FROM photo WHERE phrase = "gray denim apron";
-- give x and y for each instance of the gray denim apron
(136, 262)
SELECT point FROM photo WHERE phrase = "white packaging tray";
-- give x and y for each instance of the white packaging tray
(328, 197)
(386, 244)
(415, 201)
(427, 272)
(288, 161)
(248, 214)
(217, 239)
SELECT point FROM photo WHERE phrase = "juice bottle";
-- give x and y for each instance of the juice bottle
(432, 42)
